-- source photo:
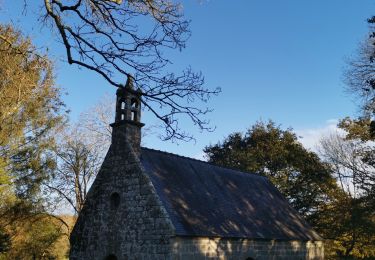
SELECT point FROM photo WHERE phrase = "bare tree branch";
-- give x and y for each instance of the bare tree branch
(346, 156)
(118, 39)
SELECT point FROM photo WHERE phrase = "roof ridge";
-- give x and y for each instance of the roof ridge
(210, 163)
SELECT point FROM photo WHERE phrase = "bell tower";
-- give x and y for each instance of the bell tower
(127, 125)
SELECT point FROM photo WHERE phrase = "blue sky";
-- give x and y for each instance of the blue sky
(279, 60)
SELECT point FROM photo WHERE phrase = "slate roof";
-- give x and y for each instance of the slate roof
(211, 201)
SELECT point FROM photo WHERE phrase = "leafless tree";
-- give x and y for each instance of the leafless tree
(80, 152)
(359, 76)
(351, 212)
(348, 158)
(78, 161)
(94, 123)
(119, 39)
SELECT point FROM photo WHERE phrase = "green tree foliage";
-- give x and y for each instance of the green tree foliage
(347, 225)
(268, 150)
(30, 107)
(4, 241)
(34, 238)
(30, 112)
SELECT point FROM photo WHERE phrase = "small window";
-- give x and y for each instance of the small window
(134, 103)
(115, 200)
(111, 257)
(122, 117)
(122, 105)
(134, 116)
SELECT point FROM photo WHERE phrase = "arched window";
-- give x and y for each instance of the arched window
(134, 116)
(134, 109)
(111, 257)
(115, 200)
(120, 110)
(134, 103)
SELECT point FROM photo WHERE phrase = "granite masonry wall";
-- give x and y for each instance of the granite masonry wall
(122, 217)
(185, 248)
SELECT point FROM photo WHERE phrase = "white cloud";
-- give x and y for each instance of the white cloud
(200, 156)
(310, 137)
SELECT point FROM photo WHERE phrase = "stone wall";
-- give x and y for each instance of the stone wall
(124, 219)
(184, 248)
(122, 215)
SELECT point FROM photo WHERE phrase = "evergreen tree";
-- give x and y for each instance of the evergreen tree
(30, 112)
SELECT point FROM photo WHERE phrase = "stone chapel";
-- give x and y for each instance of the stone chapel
(148, 205)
